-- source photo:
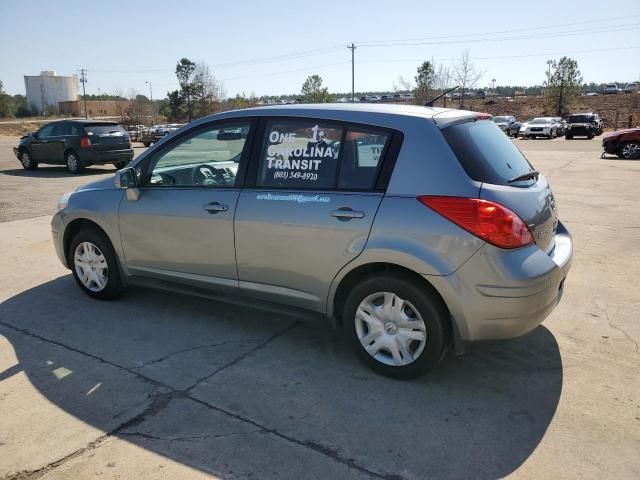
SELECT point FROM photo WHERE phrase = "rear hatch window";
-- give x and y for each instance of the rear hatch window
(488, 156)
(485, 153)
(106, 135)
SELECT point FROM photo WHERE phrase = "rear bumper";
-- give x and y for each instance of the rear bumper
(501, 294)
(91, 157)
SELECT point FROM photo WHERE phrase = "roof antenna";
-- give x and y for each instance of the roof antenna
(430, 102)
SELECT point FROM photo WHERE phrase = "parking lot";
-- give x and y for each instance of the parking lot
(158, 385)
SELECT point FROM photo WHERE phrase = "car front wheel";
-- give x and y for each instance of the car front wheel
(397, 326)
(94, 265)
(28, 163)
(120, 165)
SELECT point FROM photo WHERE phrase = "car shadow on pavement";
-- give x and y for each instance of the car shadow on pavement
(232, 390)
(57, 172)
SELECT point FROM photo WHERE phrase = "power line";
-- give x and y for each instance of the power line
(500, 39)
(542, 27)
(499, 57)
(281, 72)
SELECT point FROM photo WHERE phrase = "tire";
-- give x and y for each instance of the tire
(73, 161)
(419, 301)
(568, 136)
(146, 144)
(550, 136)
(590, 136)
(120, 165)
(515, 134)
(28, 163)
(629, 151)
(99, 282)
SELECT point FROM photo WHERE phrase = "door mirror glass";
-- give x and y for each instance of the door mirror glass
(126, 178)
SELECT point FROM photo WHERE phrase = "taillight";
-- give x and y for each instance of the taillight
(487, 220)
(85, 142)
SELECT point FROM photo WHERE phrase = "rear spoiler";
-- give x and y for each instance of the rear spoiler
(453, 117)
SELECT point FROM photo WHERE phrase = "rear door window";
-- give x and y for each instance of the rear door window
(316, 154)
(485, 153)
(300, 154)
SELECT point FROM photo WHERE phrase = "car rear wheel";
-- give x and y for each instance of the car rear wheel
(629, 150)
(28, 163)
(396, 326)
(94, 265)
(74, 163)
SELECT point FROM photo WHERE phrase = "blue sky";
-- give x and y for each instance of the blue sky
(124, 44)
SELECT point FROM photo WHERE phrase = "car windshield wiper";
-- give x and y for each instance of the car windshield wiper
(525, 176)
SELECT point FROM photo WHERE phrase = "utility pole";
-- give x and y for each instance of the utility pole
(42, 97)
(153, 110)
(352, 47)
(83, 79)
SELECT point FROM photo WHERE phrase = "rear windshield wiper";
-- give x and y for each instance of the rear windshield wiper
(525, 176)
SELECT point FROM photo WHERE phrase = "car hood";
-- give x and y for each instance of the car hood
(104, 184)
(622, 132)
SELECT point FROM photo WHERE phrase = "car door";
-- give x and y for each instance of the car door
(308, 207)
(55, 146)
(40, 143)
(181, 226)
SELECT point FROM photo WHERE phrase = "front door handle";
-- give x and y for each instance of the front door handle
(346, 213)
(215, 207)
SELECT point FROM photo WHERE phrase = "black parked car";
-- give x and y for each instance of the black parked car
(582, 124)
(76, 144)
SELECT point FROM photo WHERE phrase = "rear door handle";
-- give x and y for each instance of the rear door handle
(215, 207)
(346, 213)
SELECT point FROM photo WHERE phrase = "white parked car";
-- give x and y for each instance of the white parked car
(539, 127)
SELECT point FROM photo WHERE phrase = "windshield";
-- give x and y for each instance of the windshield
(580, 119)
(537, 121)
(485, 152)
(500, 119)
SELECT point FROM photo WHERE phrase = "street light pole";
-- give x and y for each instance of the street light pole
(153, 111)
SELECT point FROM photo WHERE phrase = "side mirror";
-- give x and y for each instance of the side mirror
(36, 135)
(126, 179)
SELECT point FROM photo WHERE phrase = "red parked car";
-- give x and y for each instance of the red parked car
(623, 143)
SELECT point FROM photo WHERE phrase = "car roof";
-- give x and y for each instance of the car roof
(385, 108)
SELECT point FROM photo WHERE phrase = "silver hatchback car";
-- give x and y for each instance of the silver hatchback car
(413, 228)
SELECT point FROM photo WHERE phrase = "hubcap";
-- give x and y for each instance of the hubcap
(26, 159)
(91, 266)
(72, 161)
(390, 329)
(630, 149)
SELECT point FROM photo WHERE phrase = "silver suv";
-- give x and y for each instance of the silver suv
(413, 228)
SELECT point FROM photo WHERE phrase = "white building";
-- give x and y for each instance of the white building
(44, 91)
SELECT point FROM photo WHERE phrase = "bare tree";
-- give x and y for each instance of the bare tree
(208, 91)
(465, 74)
(403, 85)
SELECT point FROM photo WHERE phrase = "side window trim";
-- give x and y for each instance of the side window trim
(146, 169)
(388, 156)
